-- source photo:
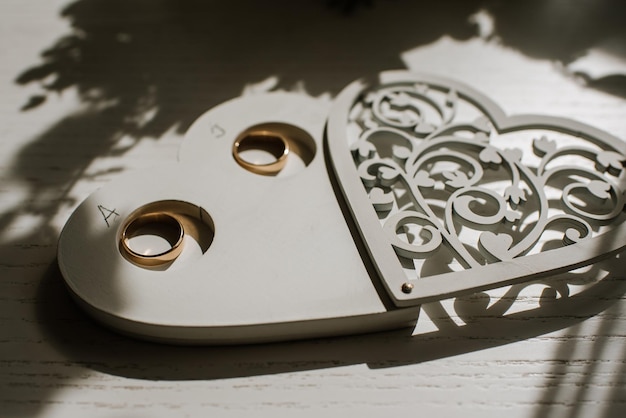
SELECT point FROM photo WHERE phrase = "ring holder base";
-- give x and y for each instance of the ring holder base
(424, 190)
(279, 262)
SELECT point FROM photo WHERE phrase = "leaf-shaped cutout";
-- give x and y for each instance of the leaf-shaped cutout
(363, 150)
(400, 99)
(387, 175)
(599, 189)
(381, 200)
(452, 98)
(406, 117)
(496, 245)
(512, 216)
(543, 146)
(513, 154)
(456, 179)
(610, 161)
(514, 194)
(423, 179)
(489, 155)
(482, 124)
(424, 128)
(369, 122)
(400, 153)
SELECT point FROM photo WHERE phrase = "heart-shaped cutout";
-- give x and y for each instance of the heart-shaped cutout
(497, 192)
(496, 245)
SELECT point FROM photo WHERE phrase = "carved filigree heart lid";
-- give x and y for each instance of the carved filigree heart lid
(452, 196)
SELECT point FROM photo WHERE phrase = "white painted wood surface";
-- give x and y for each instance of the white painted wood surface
(563, 358)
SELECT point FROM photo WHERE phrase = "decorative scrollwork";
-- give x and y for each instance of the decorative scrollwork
(440, 175)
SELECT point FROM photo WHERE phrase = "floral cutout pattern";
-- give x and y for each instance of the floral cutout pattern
(452, 192)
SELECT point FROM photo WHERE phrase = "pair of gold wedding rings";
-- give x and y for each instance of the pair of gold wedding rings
(160, 220)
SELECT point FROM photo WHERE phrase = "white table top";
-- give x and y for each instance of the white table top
(563, 358)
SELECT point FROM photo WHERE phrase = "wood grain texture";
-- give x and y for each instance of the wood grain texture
(148, 70)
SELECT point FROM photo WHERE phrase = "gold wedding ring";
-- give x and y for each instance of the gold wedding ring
(271, 142)
(162, 224)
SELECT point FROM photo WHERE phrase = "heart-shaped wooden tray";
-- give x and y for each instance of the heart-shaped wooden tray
(452, 196)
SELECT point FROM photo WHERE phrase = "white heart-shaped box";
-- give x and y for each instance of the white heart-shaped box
(277, 260)
(451, 196)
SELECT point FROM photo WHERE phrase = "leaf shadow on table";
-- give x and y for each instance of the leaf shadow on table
(166, 62)
(142, 68)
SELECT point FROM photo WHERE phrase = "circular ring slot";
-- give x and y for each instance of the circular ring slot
(161, 224)
(263, 144)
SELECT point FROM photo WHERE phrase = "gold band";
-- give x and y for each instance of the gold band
(167, 226)
(268, 141)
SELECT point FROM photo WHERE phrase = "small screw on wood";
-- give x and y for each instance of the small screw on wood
(407, 287)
